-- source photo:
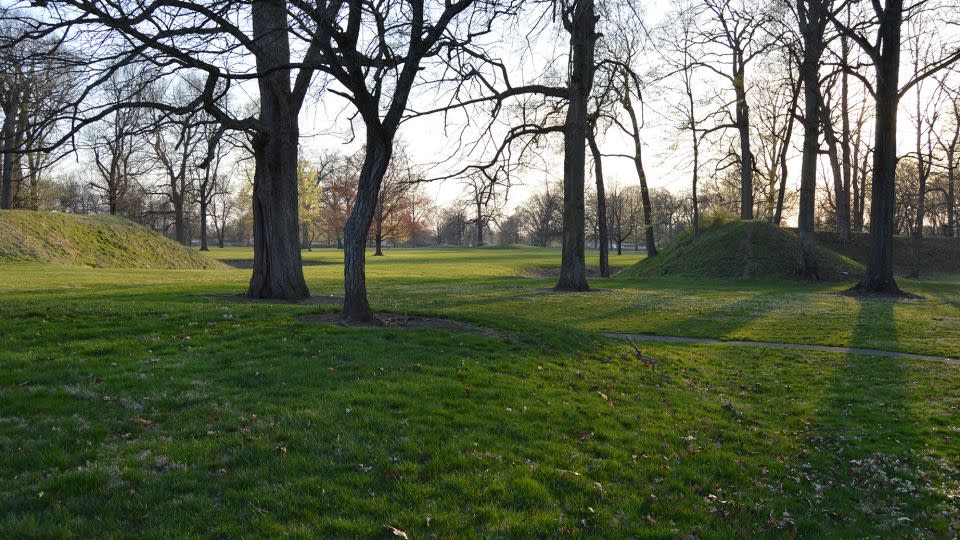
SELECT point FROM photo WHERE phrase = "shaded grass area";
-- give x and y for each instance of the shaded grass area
(163, 404)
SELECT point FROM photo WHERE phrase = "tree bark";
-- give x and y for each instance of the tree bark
(479, 224)
(603, 236)
(378, 239)
(203, 226)
(847, 183)
(878, 277)
(277, 267)
(8, 141)
(573, 268)
(812, 22)
(746, 154)
(951, 193)
(840, 194)
(649, 240)
(356, 307)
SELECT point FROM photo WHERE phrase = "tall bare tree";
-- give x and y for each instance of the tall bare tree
(883, 51)
(738, 29)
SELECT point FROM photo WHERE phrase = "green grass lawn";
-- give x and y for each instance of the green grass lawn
(158, 403)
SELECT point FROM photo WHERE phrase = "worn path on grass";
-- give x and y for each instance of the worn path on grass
(777, 344)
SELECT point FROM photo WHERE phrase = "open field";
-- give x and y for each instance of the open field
(162, 403)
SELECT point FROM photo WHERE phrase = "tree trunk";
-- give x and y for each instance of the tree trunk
(603, 238)
(641, 176)
(8, 142)
(619, 248)
(378, 239)
(277, 267)
(746, 154)
(479, 224)
(179, 225)
(203, 226)
(840, 195)
(356, 307)
(878, 277)
(951, 194)
(843, 203)
(696, 174)
(573, 268)
(811, 25)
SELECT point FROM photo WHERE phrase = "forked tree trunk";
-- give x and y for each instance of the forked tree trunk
(878, 277)
(603, 237)
(277, 267)
(573, 268)
(356, 307)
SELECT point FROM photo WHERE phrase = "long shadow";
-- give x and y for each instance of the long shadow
(862, 448)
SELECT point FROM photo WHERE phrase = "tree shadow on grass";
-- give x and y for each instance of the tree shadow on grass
(860, 468)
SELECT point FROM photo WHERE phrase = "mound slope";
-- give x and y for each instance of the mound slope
(99, 241)
(740, 250)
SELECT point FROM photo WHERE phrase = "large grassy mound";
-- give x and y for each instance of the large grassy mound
(100, 241)
(740, 250)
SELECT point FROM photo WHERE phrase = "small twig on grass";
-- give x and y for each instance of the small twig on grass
(640, 356)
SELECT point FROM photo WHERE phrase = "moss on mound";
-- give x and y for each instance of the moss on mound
(82, 240)
(740, 250)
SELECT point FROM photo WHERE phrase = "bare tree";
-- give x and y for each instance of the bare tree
(625, 212)
(738, 27)
(118, 142)
(883, 52)
(225, 42)
(949, 142)
(486, 191)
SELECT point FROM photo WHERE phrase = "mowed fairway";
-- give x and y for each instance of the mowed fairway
(161, 403)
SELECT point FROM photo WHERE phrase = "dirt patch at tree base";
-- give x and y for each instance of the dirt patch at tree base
(397, 320)
(902, 295)
(541, 272)
(324, 300)
(247, 264)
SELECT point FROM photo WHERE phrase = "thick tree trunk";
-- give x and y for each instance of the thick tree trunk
(811, 26)
(619, 248)
(573, 268)
(179, 223)
(277, 267)
(8, 144)
(878, 277)
(603, 237)
(746, 154)
(356, 307)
